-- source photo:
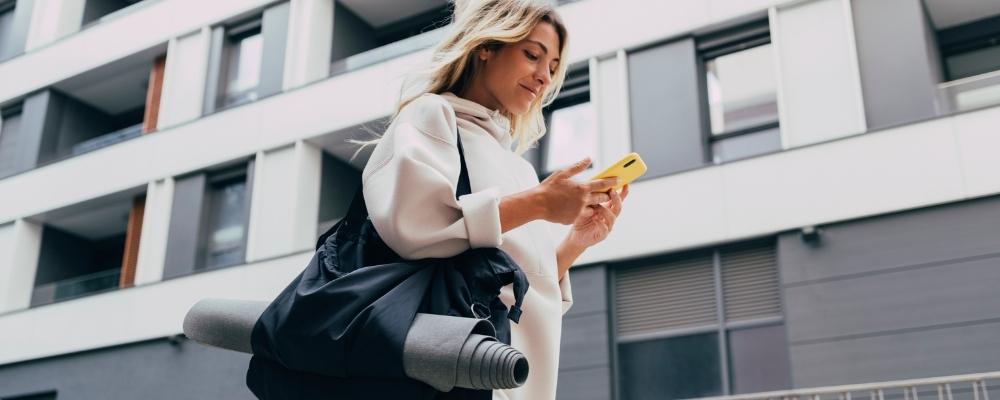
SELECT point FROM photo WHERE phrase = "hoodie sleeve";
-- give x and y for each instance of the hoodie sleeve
(409, 187)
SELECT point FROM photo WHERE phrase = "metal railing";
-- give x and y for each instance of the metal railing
(387, 52)
(945, 388)
(75, 287)
(969, 93)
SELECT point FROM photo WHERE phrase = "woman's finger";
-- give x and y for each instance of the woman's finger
(608, 216)
(616, 202)
(598, 198)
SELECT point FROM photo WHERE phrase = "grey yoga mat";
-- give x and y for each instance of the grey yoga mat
(440, 350)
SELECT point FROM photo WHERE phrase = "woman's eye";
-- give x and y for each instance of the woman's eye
(531, 56)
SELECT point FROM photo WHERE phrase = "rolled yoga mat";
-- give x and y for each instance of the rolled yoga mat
(440, 350)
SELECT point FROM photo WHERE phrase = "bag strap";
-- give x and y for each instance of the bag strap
(464, 187)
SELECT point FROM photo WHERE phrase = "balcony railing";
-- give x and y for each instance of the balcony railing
(108, 139)
(973, 386)
(387, 52)
(969, 93)
(75, 287)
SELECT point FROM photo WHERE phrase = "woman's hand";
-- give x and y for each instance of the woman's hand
(589, 228)
(564, 200)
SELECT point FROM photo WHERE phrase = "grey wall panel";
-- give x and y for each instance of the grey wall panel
(351, 35)
(590, 291)
(952, 350)
(63, 255)
(78, 122)
(149, 370)
(899, 296)
(908, 299)
(14, 44)
(584, 342)
(34, 112)
(895, 241)
(339, 183)
(584, 384)
(275, 35)
(184, 235)
(894, 46)
(213, 84)
(666, 114)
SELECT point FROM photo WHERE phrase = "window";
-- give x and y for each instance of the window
(243, 50)
(741, 92)
(701, 324)
(6, 25)
(970, 56)
(365, 33)
(95, 10)
(225, 218)
(571, 127)
(209, 217)
(10, 126)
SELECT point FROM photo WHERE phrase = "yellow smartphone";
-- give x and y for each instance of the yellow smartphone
(629, 168)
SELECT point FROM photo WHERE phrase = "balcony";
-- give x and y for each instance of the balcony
(969, 93)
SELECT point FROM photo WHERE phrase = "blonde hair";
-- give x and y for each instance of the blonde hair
(487, 24)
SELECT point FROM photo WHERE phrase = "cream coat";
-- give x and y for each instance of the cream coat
(409, 187)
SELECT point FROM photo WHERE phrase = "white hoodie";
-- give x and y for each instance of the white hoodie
(409, 188)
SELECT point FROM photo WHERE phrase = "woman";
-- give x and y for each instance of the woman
(489, 80)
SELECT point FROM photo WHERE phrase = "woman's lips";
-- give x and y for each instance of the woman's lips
(533, 94)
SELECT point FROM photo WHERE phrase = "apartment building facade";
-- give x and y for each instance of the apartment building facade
(821, 206)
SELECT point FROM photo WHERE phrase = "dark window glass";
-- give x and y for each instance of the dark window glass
(10, 125)
(226, 222)
(758, 359)
(6, 24)
(674, 368)
(243, 54)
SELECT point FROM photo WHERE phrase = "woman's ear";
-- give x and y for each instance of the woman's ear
(484, 53)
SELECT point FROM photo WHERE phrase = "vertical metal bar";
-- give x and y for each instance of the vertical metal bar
(975, 390)
(940, 388)
(720, 310)
(986, 390)
(947, 390)
(914, 388)
(847, 395)
(906, 393)
(881, 395)
(872, 395)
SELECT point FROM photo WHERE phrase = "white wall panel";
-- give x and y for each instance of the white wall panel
(130, 315)
(310, 37)
(220, 137)
(52, 20)
(868, 175)
(145, 28)
(184, 78)
(20, 243)
(285, 206)
(683, 210)
(978, 141)
(820, 84)
(155, 227)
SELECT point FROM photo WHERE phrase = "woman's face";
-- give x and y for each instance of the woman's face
(517, 73)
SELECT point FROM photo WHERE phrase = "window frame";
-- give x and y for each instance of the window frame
(231, 36)
(215, 181)
(721, 327)
(723, 43)
(9, 6)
